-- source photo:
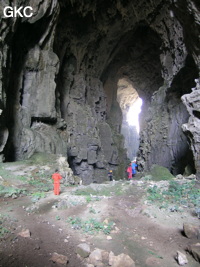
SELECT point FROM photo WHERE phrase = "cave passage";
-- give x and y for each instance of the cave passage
(130, 104)
(135, 71)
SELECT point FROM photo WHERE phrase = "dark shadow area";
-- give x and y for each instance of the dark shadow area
(196, 114)
(25, 37)
(184, 80)
(183, 84)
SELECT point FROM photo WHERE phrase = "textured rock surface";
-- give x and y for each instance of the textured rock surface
(59, 74)
(191, 231)
(181, 258)
(194, 249)
(120, 260)
(192, 128)
(83, 250)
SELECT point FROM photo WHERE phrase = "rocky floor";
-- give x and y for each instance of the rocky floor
(117, 220)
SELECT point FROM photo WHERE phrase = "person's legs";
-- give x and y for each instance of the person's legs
(58, 189)
(54, 189)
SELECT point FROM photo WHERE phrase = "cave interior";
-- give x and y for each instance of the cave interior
(67, 88)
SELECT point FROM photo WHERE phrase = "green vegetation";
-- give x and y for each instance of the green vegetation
(177, 193)
(39, 179)
(88, 199)
(22, 178)
(37, 195)
(91, 226)
(5, 173)
(42, 159)
(8, 191)
(159, 173)
(41, 185)
(3, 231)
(154, 254)
(91, 210)
(117, 190)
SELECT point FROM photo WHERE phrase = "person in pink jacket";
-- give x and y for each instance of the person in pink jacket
(129, 171)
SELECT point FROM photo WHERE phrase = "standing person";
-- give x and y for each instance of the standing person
(56, 177)
(129, 171)
(134, 165)
(110, 175)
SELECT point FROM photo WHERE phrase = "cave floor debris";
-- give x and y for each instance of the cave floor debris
(117, 218)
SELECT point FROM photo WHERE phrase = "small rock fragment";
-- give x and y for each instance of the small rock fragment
(37, 247)
(181, 258)
(179, 176)
(25, 233)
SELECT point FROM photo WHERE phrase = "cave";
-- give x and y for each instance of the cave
(67, 88)
(136, 64)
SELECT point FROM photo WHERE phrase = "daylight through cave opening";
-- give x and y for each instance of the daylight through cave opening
(130, 104)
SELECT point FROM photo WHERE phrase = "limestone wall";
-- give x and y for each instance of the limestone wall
(58, 81)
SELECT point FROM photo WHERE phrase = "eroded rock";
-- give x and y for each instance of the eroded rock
(181, 258)
(59, 258)
(25, 233)
(191, 231)
(83, 250)
(120, 260)
(195, 251)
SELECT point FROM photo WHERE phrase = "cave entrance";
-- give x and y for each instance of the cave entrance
(135, 70)
(130, 104)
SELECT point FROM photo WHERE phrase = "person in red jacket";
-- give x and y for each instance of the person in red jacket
(129, 171)
(56, 177)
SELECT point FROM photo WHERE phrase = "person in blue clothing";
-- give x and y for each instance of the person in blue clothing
(110, 175)
(134, 166)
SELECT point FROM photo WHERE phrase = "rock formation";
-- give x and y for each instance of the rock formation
(59, 79)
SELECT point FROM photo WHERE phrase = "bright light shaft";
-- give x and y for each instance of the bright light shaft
(133, 114)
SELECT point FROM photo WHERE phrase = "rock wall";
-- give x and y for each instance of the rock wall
(192, 127)
(58, 82)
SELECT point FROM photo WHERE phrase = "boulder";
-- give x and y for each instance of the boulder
(95, 256)
(191, 177)
(179, 176)
(120, 260)
(83, 250)
(191, 231)
(195, 251)
(59, 258)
